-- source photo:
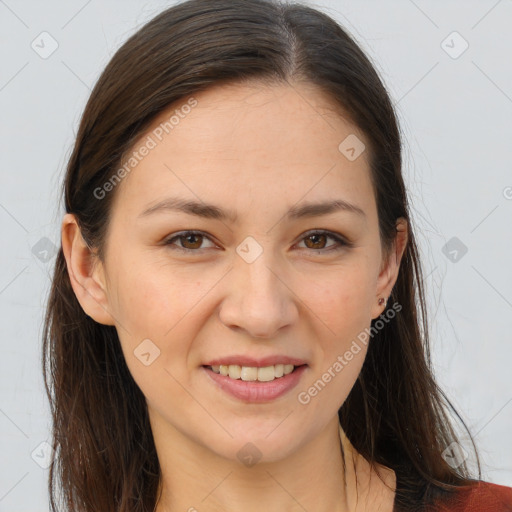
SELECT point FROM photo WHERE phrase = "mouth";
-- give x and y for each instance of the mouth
(255, 384)
(254, 373)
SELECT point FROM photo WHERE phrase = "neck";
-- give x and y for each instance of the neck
(193, 478)
(320, 476)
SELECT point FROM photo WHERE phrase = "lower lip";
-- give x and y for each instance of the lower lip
(255, 391)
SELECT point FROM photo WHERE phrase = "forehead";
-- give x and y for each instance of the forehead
(253, 141)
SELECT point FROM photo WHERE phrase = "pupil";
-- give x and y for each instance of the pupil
(315, 237)
(191, 237)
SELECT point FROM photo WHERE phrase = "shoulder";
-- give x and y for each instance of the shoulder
(478, 497)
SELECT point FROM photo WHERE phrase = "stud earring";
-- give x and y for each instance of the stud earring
(382, 300)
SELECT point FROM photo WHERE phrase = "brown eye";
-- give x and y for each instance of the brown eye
(190, 241)
(317, 241)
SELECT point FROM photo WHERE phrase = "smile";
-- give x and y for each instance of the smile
(253, 373)
(255, 384)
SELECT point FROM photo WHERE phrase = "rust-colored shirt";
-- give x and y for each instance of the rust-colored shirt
(478, 497)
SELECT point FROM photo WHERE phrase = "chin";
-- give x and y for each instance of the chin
(261, 444)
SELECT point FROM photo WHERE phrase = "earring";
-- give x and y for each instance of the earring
(382, 300)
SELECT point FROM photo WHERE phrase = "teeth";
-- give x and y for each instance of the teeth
(252, 373)
(266, 374)
(248, 373)
(234, 371)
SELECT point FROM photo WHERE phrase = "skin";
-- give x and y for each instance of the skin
(256, 149)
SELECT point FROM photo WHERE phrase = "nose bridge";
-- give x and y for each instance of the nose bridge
(258, 300)
(258, 270)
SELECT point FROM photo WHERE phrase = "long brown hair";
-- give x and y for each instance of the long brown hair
(104, 455)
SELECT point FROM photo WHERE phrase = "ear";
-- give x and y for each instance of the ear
(85, 272)
(391, 266)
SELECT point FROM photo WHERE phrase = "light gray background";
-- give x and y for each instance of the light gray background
(456, 115)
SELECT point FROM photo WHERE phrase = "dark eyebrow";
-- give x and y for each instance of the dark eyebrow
(324, 208)
(210, 211)
(200, 209)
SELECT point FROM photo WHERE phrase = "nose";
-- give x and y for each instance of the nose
(259, 300)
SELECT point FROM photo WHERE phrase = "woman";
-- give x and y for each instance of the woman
(237, 318)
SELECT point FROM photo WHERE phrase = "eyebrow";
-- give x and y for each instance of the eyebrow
(210, 211)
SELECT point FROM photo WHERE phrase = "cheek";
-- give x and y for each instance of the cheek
(341, 298)
(154, 298)
(155, 325)
(156, 311)
(342, 302)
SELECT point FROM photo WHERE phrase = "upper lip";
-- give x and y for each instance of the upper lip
(259, 362)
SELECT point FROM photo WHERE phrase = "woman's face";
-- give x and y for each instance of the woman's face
(256, 284)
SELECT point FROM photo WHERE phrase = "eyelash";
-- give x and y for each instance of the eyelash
(341, 242)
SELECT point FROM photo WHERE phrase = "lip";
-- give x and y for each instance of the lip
(244, 360)
(255, 391)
